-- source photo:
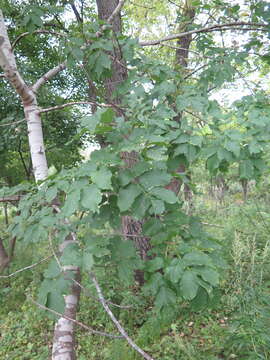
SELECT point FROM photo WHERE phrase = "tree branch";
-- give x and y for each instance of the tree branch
(10, 198)
(46, 77)
(35, 32)
(116, 322)
(59, 107)
(25, 268)
(216, 27)
(92, 331)
(116, 11)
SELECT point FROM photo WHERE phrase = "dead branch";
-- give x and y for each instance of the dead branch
(92, 331)
(116, 322)
(25, 268)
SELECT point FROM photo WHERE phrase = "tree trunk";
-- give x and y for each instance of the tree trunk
(181, 59)
(4, 258)
(64, 337)
(131, 228)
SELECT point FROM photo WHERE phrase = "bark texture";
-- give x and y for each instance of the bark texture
(131, 228)
(181, 59)
(63, 344)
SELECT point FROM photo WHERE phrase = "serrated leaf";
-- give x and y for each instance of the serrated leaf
(53, 270)
(71, 203)
(189, 285)
(71, 256)
(91, 197)
(158, 206)
(232, 146)
(154, 264)
(127, 196)
(175, 271)
(154, 178)
(102, 178)
(87, 261)
(164, 194)
(209, 275)
(165, 297)
(197, 259)
(246, 169)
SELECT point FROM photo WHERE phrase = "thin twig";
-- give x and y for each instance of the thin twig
(13, 123)
(25, 268)
(59, 107)
(92, 331)
(215, 225)
(35, 32)
(216, 27)
(116, 322)
(96, 299)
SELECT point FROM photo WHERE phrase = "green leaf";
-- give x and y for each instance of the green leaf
(209, 275)
(154, 178)
(152, 227)
(154, 264)
(165, 297)
(71, 204)
(232, 146)
(158, 206)
(212, 163)
(197, 258)
(102, 178)
(127, 196)
(175, 271)
(87, 261)
(53, 270)
(164, 194)
(246, 169)
(189, 285)
(91, 197)
(71, 256)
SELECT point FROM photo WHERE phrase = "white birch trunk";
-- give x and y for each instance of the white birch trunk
(64, 335)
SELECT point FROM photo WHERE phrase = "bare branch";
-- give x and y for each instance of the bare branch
(96, 299)
(35, 32)
(59, 107)
(13, 123)
(25, 268)
(49, 75)
(217, 27)
(92, 331)
(116, 322)
(116, 11)
(10, 198)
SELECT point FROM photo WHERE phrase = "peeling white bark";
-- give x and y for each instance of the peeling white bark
(63, 343)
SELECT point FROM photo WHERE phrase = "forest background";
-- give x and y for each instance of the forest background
(157, 244)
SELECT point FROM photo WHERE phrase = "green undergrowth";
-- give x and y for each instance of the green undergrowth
(235, 327)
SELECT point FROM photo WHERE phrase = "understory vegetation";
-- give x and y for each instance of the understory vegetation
(234, 326)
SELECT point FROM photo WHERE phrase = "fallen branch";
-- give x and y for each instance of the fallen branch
(116, 322)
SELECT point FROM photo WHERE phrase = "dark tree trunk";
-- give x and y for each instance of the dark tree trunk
(181, 59)
(131, 228)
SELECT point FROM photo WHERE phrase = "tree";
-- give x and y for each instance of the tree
(152, 114)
